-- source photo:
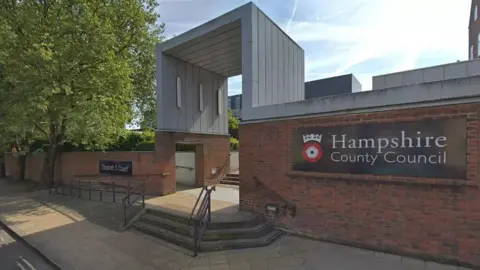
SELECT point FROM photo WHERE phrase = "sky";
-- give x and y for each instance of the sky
(363, 37)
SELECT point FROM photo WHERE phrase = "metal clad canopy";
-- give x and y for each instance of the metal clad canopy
(219, 51)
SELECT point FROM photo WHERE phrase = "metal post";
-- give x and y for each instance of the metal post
(195, 239)
(128, 192)
(79, 190)
(90, 190)
(113, 189)
(143, 195)
(124, 215)
(209, 209)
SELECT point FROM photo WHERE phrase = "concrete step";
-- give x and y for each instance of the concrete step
(252, 222)
(210, 234)
(230, 182)
(266, 240)
(230, 179)
(164, 234)
(206, 246)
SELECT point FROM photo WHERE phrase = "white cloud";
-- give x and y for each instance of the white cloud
(294, 10)
(400, 31)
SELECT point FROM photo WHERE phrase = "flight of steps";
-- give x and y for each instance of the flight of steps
(231, 179)
(255, 232)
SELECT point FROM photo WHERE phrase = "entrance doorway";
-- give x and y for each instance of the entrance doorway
(188, 165)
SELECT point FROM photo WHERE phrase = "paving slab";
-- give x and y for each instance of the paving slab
(69, 232)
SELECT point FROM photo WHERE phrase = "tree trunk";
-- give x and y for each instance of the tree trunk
(22, 161)
(22, 164)
(56, 137)
(48, 169)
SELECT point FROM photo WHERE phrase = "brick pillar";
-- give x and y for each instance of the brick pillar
(165, 159)
(216, 155)
(199, 165)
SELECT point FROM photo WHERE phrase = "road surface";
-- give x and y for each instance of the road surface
(15, 255)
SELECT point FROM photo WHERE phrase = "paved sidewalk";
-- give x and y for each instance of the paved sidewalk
(76, 242)
(16, 255)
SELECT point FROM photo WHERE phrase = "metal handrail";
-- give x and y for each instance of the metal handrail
(202, 218)
(223, 167)
(86, 185)
(126, 201)
(195, 206)
(201, 192)
(288, 203)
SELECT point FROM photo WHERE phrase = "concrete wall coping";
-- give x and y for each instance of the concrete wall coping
(455, 91)
(426, 68)
(205, 28)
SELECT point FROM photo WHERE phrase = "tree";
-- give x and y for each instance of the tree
(75, 68)
(233, 122)
(15, 136)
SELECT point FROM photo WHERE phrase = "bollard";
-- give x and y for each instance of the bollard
(128, 192)
(113, 189)
(79, 190)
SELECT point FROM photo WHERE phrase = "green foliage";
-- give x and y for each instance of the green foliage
(233, 122)
(129, 141)
(76, 71)
(234, 144)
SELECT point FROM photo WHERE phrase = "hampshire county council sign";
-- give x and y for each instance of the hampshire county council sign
(430, 148)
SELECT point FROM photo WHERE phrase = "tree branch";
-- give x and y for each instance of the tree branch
(39, 128)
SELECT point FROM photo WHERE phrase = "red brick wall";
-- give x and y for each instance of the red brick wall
(157, 169)
(428, 218)
(75, 165)
(212, 152)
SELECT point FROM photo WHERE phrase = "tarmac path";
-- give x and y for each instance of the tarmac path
(15, 255)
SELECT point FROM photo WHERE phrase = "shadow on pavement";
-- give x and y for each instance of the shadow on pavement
(21, 200)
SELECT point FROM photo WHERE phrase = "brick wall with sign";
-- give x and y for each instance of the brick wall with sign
(430, 218)
(72, 166)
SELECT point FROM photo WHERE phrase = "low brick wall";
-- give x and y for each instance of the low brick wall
(85, 165)
(428, 218)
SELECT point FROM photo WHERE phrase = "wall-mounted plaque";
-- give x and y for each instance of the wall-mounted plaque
(429, 148)
(116, 167)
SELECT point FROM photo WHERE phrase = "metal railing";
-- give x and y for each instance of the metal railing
(78, 187)
(287, 204)
(127, 202)
(221, 175)
(201, 216)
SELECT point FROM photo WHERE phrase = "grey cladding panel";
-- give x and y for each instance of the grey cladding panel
(196, 100)
(188, 117)
(159, 68)
(268, 62)
(190, 100)
(280, 65)
(261, 59)
(274, 65)
(170, 81)
(182, 111)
